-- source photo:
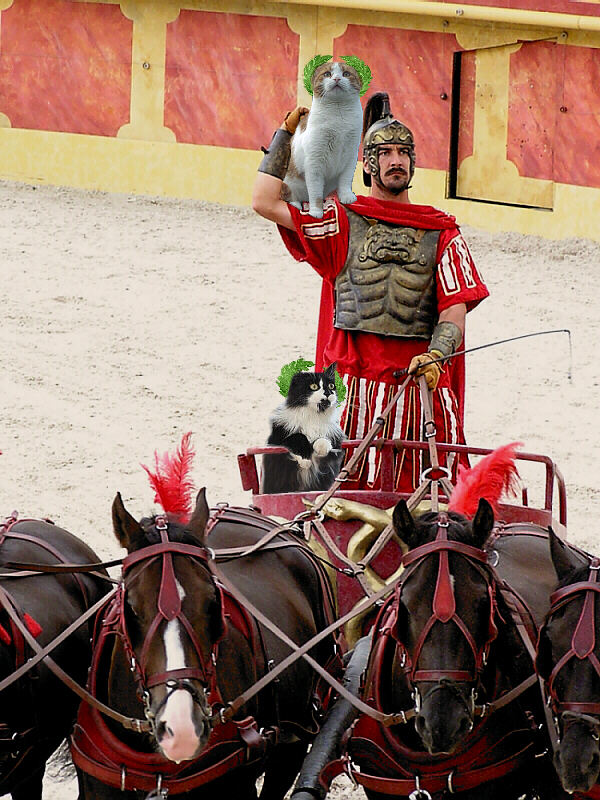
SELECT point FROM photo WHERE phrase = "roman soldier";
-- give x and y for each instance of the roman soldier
(398, 280)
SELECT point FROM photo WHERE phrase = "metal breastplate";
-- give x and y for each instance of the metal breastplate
(387, 285)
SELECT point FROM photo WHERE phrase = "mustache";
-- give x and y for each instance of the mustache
(396, 171)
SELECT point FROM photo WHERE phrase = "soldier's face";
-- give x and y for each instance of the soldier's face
(394, 167)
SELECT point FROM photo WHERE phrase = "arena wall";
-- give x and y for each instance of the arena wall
(159, 98)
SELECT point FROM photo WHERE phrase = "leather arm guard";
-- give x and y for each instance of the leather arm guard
(277, 157)
(446, 338)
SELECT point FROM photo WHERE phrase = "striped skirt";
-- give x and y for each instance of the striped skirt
(366, 399)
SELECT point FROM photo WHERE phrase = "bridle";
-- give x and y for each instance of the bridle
(169, 608)
(444, 612)
(583, 643)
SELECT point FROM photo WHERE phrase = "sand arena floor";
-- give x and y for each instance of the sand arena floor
(127, 321)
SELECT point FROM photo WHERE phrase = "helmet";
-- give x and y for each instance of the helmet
(381, 127)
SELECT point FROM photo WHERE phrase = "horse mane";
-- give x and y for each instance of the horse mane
(460, 529)
(494, 475)
(170, 480)
(177, 530)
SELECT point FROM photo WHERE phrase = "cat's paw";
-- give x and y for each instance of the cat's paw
(322, 447)
(315, 212)
(303, 463)
(346, 197)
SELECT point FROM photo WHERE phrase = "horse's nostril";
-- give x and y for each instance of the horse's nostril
(420, 725)
(162, 730)
(465, 726)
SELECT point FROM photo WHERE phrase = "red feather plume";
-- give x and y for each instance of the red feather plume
(494, 475)
(171, 482)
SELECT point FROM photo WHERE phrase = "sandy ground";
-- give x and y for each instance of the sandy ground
(127, 321)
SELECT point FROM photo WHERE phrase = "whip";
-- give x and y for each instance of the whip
(400, 373)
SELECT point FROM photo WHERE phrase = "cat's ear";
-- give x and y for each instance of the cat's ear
(331, 370)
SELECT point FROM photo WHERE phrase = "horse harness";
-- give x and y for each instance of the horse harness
(409, 774)
(233, 742)
(17, 744)
(583, 642)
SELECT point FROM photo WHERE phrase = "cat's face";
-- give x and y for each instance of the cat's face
(313, 389)
(335, 77)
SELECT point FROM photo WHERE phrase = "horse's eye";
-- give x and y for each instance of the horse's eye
(314, 386)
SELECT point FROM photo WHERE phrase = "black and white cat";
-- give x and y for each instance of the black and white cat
(307, 424)
(325, 144)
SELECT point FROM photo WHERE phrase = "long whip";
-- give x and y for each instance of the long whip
(402, 372)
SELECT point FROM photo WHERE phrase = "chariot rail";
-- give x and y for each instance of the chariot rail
(287, 505)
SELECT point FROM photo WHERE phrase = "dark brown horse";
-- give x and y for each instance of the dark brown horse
(568, 659)
(38, 711)
(177, 647)
(447, 651)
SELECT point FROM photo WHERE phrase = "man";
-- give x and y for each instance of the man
(398, 280)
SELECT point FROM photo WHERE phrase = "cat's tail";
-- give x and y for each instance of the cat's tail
(378, 106)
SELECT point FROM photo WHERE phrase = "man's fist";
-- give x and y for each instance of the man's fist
(421, 365)
(292, 118)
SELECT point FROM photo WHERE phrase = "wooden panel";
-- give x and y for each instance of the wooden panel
(65, 66)
(533, 107)
(577, 150)
(229, 78)
(415, 68)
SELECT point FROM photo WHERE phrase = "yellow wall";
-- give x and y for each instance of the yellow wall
(145, 158)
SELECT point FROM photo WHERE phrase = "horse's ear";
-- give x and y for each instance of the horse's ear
(404, 524)
(543, 656)
(483, 522)
(199, 518)
(127, 529)
(564, 560)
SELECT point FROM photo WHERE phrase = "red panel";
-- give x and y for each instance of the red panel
(230, 78)
(466, 123)
(532, 108)
(65, 66)
(415, 68)
(577, 147)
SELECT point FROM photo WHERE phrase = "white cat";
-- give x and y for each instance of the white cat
(325, 144)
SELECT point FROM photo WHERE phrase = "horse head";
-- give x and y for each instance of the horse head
(568, 659)
(171, 622)
(446, 611)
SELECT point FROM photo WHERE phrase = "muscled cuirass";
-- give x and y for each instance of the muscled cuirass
(387, 285)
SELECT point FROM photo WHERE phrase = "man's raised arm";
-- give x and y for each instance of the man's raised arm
(266, 195)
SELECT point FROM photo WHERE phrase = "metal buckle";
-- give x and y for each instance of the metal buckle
(419, 794)
(123, 776)
(450, 787)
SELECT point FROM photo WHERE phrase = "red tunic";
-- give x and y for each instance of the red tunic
(368, 356)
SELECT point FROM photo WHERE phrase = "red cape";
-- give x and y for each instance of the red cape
(409, 214)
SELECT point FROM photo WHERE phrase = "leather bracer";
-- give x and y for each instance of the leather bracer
(277, 157)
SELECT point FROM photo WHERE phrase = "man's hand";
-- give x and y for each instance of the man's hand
(292, 118)
(421, 365)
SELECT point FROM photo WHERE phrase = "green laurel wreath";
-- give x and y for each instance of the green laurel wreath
(358, 64)
(362, 69)
(299, 365)
(310, 68)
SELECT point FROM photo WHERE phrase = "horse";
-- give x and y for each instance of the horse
(38, 710)
(568, 659)
(453, 660)
(178, 648)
